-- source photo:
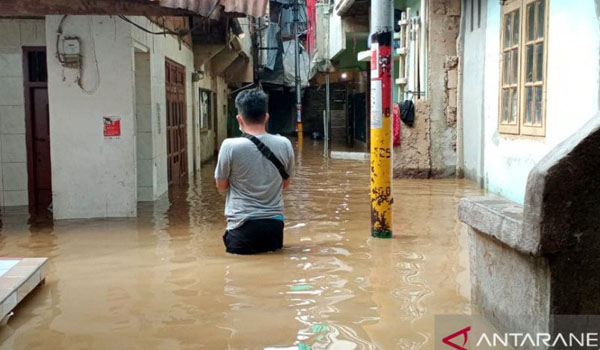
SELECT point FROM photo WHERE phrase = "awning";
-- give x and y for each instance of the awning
(9, 8)
(256, 8)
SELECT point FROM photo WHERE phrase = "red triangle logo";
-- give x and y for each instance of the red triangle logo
(464, 332)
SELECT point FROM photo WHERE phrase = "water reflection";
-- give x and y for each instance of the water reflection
(163, 281)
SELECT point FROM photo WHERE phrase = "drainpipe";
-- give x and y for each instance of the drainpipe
(297, 76)
(343, 6)
(327, 113)
(196, 127)
(460, 153)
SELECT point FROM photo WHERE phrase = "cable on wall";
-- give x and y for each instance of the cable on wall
(81, 66)
(59, 33)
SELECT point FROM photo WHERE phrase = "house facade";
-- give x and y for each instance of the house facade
(530, 73)
(99, 112)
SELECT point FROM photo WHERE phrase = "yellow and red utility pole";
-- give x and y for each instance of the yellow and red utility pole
(297, 77)
(381, 117)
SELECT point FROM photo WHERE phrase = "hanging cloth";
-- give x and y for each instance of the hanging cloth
(396, 125)
(407, 112)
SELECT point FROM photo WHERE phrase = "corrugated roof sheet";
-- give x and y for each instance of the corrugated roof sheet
(256, 8)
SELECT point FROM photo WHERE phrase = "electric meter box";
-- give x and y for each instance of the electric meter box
(71, 47)
(71, 51)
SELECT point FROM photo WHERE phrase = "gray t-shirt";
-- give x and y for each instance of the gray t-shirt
(255, 185)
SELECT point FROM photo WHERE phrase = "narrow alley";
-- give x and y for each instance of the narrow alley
(162, 281)
(438, 160)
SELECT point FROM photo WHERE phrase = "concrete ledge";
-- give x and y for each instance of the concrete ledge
(532, 262)
(18, 281)
(350, 155)
(510, 283)
(499, 218)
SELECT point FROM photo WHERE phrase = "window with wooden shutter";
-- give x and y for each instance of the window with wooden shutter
(523, 68)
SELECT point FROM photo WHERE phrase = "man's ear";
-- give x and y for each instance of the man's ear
(239, 119)
(266, 118)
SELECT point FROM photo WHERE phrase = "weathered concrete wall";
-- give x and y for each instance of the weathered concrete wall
(444, 21)
(510, 285)
(521, 294)
(508, 160)
(473, 68)
(92, 176)
(412, 158)
(207, 145)
(14, 34)
(428, 148)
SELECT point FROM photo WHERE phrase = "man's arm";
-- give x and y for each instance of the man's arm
(291, 166)
(223, 169)
(223, 185)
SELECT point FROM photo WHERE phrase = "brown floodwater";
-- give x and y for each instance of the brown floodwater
(163, 281)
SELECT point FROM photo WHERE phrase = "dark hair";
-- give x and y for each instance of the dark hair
(252, 105)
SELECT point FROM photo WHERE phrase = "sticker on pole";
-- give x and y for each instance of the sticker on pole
(374, 60)
(376, 109)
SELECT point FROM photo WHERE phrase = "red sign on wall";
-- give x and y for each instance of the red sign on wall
(112, 126)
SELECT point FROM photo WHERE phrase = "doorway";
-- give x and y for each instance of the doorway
(37, 134)
(358, 103)
(176, 123)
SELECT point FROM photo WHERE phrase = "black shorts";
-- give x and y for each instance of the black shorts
(255, 236)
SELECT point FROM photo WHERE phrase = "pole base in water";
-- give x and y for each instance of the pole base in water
(382, 234)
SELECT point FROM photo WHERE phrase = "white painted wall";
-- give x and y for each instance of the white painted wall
(200, 142)
(93, 176)
(14, 34)
(206, 138)
(161, 47)
(337, 35)
(572, 97)
(222, 96)
(473, 68)
(143, 112)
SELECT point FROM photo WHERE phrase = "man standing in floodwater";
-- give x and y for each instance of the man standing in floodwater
(254, 170)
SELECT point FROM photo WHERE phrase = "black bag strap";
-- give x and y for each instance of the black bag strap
(266, 151)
